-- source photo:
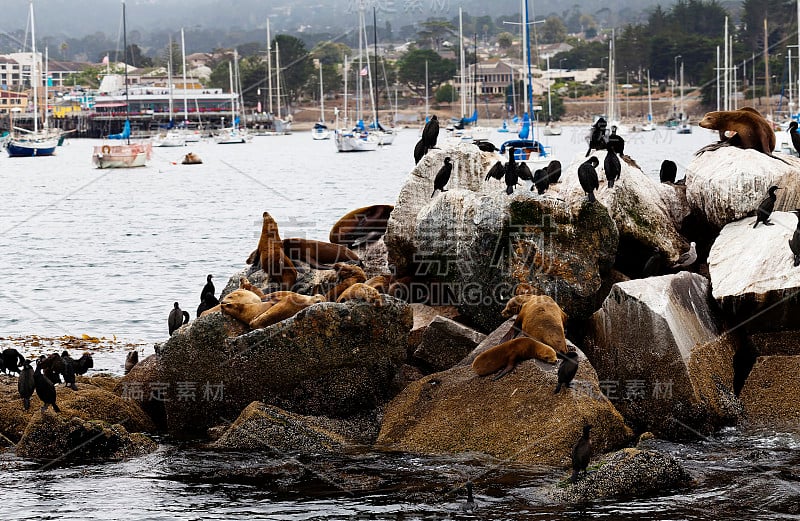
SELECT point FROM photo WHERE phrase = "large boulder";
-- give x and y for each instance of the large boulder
(516, 418)
(66, 438)
(329, 359)
(646, 212)
(753, 273)
(477, 243)
(727, 184)
(266, 427)
(657, 348)
(445, 342)
(770, 393)
(627, 473)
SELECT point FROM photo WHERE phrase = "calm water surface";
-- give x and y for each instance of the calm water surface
(106, 252)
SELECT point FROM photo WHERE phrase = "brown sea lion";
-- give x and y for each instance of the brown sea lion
(346, 276)
(270, 257)
(538, 317)
(246, 284)
(743, 128)
(248, 307)
(318, 254)
(360, 291)
(380, 282)
(191, 159)
(361, 226)
(504, 357)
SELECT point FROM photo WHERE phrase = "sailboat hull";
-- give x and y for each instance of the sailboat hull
(352, 142)
(31, 147)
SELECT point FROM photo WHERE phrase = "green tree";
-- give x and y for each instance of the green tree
(411, 69)
(553, 30)
(89, 77)
(330, 53)
(505, 40)
(557, 105)
(296, 64)
(434, 33)
(446, 94)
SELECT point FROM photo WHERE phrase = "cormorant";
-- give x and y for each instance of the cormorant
(668, 171)
(131, 359)
(688, 258)
(540, 181)
(794, 242)
(12, 360)
(430, 133)
(597, 139)
(83, 364)
(443, 176)
(581, 454)
(554, 171)
(484, 145)
(794, 135)
(208, 302)
(419, 150)
(523, 172)
(208, 288)
(469, 506)
(175, 318)
(69, 371)
(511, 175)
(26, 384)
(45, 389)
(611, 166)
(615, 142)
(766, 206)
(566, 369)
(587, 175)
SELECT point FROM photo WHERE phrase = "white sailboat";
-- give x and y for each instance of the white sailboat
(170, 137)
(321, 130)
(612, 111)
(356, 138)
(126, 155)
(385, 135)
(648, 125)
(274, 123)
(233, 134)
(39, 142)
(683, 126)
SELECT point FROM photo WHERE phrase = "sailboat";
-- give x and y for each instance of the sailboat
(385, 135)
(648, 124)
(26, 143)
(233, 134)
(321, 130)
(463, 129)
(355, 139)
(683, 126)
(527, 148)
(126, 155)
(274, 125)
(171, 136)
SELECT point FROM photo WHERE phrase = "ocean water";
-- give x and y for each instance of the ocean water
(107, 252)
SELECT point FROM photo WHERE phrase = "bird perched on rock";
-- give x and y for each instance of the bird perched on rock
(11, 360)
(615, 142)
(469, 505)
(597, 138)
(442, 176)
(419, 151)
(794, 135)
(523, 172)
(540, 181)
(668, 171)
(794, 242)
(566, 369)
(177, 318)
(131, 359)
(430, 133)
(766, 206)
(581, 454)
(208, 289)
(484, 145)
(45, 389)
(69, 371)
(611, 166)
(84, 363)
(208, 302)
(26, 385)
(510, 172)
(554, 171)
(686, 259)
(587, 175)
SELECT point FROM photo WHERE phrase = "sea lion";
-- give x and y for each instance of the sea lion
(504, 357)
(743, 128)
(380, 282)
(346, 276)
(361, 226)
(191, 159)
(269, 255)
(245, 284)
(318, 254)
(247, 307)
(540, 318)
(361, 291)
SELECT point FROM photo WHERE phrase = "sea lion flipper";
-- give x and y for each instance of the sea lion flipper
(253, 257)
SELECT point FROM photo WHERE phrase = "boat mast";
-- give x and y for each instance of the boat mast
(360, 63)
(169, 78)
(233, 102)
(372, 102)
(269, 69)
(185, 94)
(345, 89)
(34, 77)
(650, 100)
(426, 90)
(549, 81)
(530, 75)
(463, 62)
(125, 64)
(44, 83)
(375, 45)
(278, 78)
(321, 96)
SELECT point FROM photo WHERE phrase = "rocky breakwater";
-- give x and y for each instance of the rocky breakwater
(474, 243)
(335, 360)
(727, 184)
(657, 349)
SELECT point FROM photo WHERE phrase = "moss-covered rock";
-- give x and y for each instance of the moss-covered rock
(770, 394)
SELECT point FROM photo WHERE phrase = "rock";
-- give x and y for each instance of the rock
(776, 343)
(728, 184)
(445, 342)
(374, 257)
(136, 386)
(675, 202)
(261, 426)
(423, 315)
(627, 473)
(91, 402)
(330, 359)
(475, 243)
(60, 437)
(753, 273)
(516, 418)
(770, 394)
(657, 349)
(644, 210)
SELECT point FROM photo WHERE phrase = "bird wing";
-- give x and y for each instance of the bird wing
(524, 172)
(496, 171)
